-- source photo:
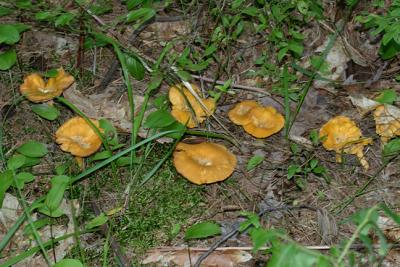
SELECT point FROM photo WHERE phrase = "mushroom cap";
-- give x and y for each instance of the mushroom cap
(204, 163)
(77, 137)
(264, 122)
(387, 122)
(343, 135)
(239, 115)
(36, 90)
(183, 112)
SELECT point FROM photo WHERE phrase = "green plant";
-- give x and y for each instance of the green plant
(283, 251)
(9, 36)
(387, 26)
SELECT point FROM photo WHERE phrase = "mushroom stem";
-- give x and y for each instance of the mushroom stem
(80, 162)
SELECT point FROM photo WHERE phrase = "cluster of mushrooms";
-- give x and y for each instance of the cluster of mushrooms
(75, 136)
(206, 162)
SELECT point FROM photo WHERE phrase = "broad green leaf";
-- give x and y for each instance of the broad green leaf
(97, 221)
(22, 178)
(16, 162)
(51, 213)
(5, 11)
(125, 161)
(176, 126)
(20, 27)
(184, 75)
(8, 34)
(29, 162)
(33, 149)
(252, 220)
(254, 162)
(45, 15)
(313, 163)
(62, 168)
(210, 50)
(110, 131)
(282, 256)
(46, 111)
(236, 3)
(51, 73)
(292, 170)
(202, 230)
(6, 179)
(387, 96)
(155, 81)
(64, 19)
(102, 155)
(259, 237)
(37, 224)
(392, 148)
(302, 6)
(23, 4)
(142, 14)
(282, 53)
(133, 3)
(7, 59)
(135, 67)
(251, 11)
(68, 263)
(159, 119)
(296, 47)
(54, 197)
(390, 50)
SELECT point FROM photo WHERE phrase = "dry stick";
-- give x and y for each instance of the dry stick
(311, 247)
(236, 230)
(114, 244)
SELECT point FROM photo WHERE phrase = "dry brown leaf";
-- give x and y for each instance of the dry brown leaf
(363, 104)
(110, 106)
(9, 214)
(182, 258)
(387, 120)
(390, 229)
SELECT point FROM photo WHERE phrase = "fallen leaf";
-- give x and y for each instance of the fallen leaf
(182, 257)
(110, 106)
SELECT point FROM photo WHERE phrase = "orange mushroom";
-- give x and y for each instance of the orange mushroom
(264, 122)
(387, 120)
(343, 136)
(204, 163)
(185, 107)
(77, 137)
(240, 113)
(36, 90)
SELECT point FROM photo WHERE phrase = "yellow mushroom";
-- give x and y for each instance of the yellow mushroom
(343, 136)
(185, 107)
(240, 113)
(204, 163)
(77, 137)
(36, 90)
(264, 122)
(387, 121)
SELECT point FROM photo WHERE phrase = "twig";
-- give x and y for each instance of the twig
(234, 85)
(311, 247)
(236, 230)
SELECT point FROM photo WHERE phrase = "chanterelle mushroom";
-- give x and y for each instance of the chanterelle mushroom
(186, 109)
(204, 163)
(36, 90)
(387, 120)
(264, 122)
(77, 137)
(240, 113)
(343, 136)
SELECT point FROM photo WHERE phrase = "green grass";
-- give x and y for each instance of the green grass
(166, 200)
